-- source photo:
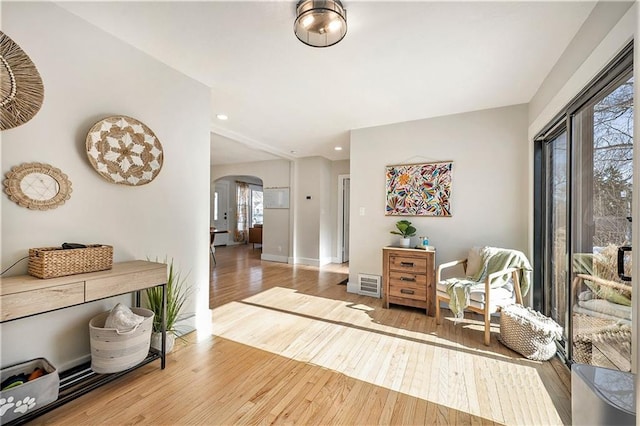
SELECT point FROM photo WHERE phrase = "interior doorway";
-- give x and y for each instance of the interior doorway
(220, 211)
(237, 207)
(344, 183)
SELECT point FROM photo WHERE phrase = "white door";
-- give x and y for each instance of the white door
(221, 212)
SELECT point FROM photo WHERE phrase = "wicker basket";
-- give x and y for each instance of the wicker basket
(51, 262)
(113, 351)
(528, 332)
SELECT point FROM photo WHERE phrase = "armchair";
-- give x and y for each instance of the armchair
(494, 278)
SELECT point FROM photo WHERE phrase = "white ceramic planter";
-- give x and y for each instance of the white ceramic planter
(156, 341)
(405, 242)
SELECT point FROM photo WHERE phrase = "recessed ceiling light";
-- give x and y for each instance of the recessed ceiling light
(338, 148)
(293, 152)
(222, 117)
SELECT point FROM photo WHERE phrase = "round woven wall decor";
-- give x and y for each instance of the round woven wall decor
(123, 150)
(21, 89)
(37, 186)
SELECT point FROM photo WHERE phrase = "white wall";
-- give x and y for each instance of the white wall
(313, 222)
(276, 230)
(489, 187)
(307, 212)
(89, 75)
(602, 43)
(603, 17)
(574, 72)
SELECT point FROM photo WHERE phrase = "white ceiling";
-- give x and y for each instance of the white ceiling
(399, 61)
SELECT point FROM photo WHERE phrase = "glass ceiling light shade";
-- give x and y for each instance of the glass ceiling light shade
(320, 23)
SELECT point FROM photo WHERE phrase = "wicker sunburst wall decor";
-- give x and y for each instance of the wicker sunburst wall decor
(21, 89)
(123, 150)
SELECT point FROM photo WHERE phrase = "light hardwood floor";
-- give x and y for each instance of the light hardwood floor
(289, 345)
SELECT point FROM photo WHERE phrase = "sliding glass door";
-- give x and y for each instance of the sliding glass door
(601, 216)
(583, 229)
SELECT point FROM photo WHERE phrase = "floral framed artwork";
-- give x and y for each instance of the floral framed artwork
(419, 189)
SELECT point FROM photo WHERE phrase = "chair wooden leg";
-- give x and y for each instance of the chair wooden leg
(437, 310)
(213, 256)
(487, 328)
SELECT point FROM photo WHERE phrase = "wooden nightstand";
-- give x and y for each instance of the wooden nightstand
(409, 276)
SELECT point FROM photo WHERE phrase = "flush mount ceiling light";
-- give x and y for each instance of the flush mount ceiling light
(320, 23)
(222, 117)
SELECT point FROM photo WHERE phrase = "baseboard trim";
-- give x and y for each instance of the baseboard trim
(273, 258)
(326, 261)
(186, 325)
(76, 362)
(307, 261)
(312, 262)
(352, 287)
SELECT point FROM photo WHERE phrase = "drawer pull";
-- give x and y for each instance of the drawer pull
(409, 264)
(411, 279)
(406, 291)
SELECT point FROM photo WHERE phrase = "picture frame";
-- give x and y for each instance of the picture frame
(422, 189)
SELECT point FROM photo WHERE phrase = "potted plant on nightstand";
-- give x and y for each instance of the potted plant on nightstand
(177, 294)
(406, 231)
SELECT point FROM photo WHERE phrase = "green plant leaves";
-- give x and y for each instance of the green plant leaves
(177, 293)
(405, 229)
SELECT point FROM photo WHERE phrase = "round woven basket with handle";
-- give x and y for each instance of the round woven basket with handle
(113, 351)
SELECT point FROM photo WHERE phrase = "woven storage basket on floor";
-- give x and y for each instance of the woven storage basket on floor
(528, 332)
(113, 351)
(51, 262)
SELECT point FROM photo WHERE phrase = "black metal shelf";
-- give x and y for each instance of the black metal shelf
(78, 381)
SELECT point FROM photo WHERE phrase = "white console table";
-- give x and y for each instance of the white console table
(24, 296)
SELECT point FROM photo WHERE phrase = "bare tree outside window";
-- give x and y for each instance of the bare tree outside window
(613, 166)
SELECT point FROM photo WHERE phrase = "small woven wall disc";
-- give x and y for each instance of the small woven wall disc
(21, 89)
(123, 150)
(37, 186)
